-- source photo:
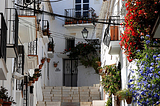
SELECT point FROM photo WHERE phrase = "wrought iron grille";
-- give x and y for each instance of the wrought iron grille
(32, 47)
(3, 37)
(13, 27)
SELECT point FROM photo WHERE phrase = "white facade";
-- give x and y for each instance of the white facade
(112, 53)
(60, 32)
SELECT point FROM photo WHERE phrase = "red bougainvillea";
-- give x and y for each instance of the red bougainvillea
(139, 21)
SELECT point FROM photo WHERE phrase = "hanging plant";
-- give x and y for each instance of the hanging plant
(86, 53)
(112, 81)
(139, 21)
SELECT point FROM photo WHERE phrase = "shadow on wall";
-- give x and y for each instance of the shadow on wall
(87, 76)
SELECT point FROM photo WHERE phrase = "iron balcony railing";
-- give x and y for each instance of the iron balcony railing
(13, 27)
(45, 28)
(26, 12)
(3, 37)
(82, 16)
(32, 48)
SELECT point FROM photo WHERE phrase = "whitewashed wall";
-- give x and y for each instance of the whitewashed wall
(59, 31)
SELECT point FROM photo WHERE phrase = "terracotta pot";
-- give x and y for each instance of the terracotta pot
(37, 79)
(40, 66)
(129, 100)
(43, 60)
(7, 103)
(99, 63)
(80, 21)
(100, 70)
(48, 60)
(1, 102)
(55, 64)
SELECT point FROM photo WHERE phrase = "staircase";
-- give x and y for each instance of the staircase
(70, 96)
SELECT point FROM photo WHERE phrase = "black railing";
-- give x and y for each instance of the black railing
(3, 37)
(51, 44)
(21, 59)
(45, 28)
(83, 16)
(13, 27)
(32, 47)
(26, 12)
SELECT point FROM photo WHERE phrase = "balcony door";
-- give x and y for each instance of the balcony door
(81, 8)
(70, 72)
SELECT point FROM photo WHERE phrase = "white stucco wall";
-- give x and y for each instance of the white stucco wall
(87, 76)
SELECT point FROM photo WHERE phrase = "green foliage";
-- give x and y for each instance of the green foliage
(112, 81)
(4, 95)
(86, 53)
(123, 94)
(109, 102)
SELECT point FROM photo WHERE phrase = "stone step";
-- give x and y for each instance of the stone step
(70, 104)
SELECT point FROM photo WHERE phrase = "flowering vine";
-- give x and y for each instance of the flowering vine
(139, 21)
(145, 82)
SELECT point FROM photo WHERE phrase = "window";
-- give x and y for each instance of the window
(70, 43)
(81, 8)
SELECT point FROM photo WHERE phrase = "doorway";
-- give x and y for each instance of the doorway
(70, 72)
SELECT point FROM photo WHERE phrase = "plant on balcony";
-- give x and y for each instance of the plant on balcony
(145, 81)
(43, 60)
(40, 66)
(138, 22)
(51, 46)
(7, 100)
(125, 94)
(37, 70)
(48, 60)
(86, 53)
(112, 81)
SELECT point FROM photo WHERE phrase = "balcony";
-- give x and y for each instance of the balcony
(45, 30)
(12, 42)
(3, 42)
(83, 17)
(51, 48)
(114, 47)
(32, 54)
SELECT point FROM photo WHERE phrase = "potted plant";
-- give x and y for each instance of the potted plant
(100, 69)
(48, 60)
(40, 66)
(125, 94)
(43, 60)
(5, 99)
(51, 46)
(8, 101)
(112, 80)
(37, 70)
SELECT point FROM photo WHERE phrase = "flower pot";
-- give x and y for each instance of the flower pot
(129, 100)
(98, 63)
(55, 64)
(80, 21)
(7, 103)
(40, 66)
(36, 79)
(100, 70)
(48, 60)
(1, 102)
(43, 60)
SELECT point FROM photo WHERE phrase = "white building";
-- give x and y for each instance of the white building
(24, 43)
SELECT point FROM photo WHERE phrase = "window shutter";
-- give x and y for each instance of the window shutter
(114, 32)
